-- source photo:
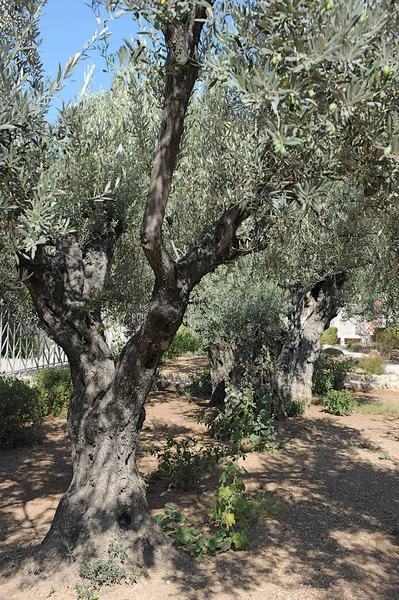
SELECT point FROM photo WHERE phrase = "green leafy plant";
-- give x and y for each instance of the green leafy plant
(55, 388)
(384, 456)
(330, 336)
(339, 403)
(185, 341)
(21, 413)
(230, 510)
(185, 466)
(373, 364)
(174, 524)
(245, 421)
(201, 384)
(330, 374)
(86, 592)
(105, 572)
(295, 408)
(332, 352)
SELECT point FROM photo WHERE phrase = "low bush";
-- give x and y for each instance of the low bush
(339, 403)
(183, 465)
(55, 388)
(295, 408)
(373, 364)
(386, 336)
(201, 384)
(184, 341)
(245, 421)
(330, 336)
(330, 374)
(21, 413)
(332, 352)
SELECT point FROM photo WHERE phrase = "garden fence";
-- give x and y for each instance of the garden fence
(25, 348)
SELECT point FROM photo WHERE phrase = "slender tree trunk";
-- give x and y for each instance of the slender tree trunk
(309, 318)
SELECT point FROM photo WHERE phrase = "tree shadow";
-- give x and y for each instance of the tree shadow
(339, 527)
(338, 530)
(32, 481)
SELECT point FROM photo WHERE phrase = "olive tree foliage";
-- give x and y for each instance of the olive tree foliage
(265, 307)
(373, 290)
(323, 78)
(16, 21)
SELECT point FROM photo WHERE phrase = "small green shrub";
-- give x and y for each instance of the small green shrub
(330, 336)
(21, 413)
(295, 408)
(245, 421)
(173, 523)
(55, 388)
(387, 336)
(184, 466)
(86, 592)
(201, 384)
(373, 364)
(184, 341)
(339, 403)
(330, 374)
(332, 352)
(103, 572)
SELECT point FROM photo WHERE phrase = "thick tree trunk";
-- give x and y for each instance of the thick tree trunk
(106, 499)
(308, 320)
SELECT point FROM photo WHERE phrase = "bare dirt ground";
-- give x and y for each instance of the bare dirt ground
(336, 537)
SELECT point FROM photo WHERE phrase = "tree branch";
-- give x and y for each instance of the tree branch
(182, 68)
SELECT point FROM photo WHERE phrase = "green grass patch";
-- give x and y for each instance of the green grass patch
(373, 364)
(377, 408)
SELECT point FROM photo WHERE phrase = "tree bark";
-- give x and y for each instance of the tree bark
(311, 315)
(222, 361)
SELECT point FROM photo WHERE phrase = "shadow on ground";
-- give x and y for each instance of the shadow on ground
(337, 536)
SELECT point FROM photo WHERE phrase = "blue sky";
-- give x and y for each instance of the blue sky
(65, 26)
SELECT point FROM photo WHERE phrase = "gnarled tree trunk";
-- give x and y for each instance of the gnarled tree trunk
(106, 498)
(311, 315)
(223, 365)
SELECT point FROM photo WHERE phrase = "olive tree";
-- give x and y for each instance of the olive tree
(70, 191)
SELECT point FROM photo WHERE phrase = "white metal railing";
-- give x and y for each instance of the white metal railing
(25, 348)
